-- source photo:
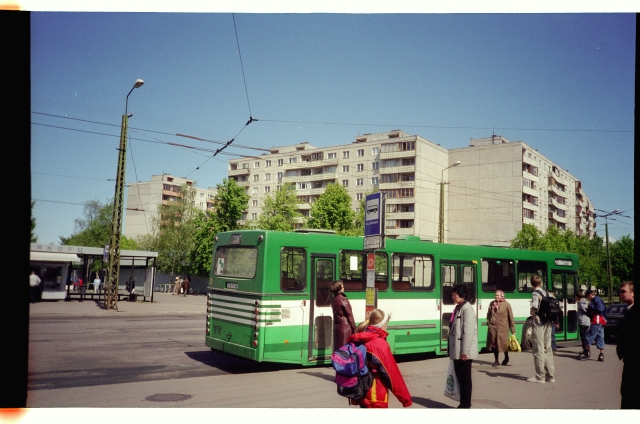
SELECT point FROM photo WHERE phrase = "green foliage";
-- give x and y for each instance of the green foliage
(280, 210)
(206, 228)
(332, 210)
(229, 203)
(33, 238)
(591, 253)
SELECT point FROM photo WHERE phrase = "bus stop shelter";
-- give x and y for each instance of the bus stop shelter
(69, 271)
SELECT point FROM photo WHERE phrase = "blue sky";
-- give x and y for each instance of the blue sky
(562, 83)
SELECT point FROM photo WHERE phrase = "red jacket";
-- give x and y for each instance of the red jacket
(384, 369)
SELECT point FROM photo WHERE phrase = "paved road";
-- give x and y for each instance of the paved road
(153, 356)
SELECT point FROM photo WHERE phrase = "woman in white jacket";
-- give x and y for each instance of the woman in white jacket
(463, 341)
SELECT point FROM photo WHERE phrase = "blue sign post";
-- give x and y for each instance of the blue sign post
(373, 222)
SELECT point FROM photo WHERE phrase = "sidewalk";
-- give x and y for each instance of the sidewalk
(163, 303)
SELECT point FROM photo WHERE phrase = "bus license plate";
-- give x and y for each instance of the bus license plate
(232, 286)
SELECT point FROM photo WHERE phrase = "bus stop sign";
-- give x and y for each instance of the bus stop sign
(373, 222)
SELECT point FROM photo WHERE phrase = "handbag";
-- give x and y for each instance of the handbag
(513, 345)
(451, 387)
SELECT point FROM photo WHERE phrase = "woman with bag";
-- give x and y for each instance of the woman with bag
(499, 321)
(386, 374)
(463, 341)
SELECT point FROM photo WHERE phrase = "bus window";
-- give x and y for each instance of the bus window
(448, 280)
(324, 277)
(469, 279)
(498, 274)
(353, 272)
(293, 269)
(236, 262)
(527, 269)
(412, 272)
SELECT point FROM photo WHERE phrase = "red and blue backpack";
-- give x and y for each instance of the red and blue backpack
(352, 374)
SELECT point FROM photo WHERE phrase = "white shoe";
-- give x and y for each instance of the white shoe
(550, 380)
(534, 380)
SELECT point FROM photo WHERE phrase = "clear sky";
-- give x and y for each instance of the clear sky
(562, 83)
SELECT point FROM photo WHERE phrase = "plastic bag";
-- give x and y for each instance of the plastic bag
(451, 387)
(513, 345)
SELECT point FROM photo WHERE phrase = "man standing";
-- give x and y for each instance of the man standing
(463, 341)
(627, 349)
(34, 287)
(541, 337)
(96, 284)
(596, 330)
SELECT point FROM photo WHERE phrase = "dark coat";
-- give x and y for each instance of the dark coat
(343, 323)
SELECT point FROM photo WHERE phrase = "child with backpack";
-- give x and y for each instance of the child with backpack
(386, 374)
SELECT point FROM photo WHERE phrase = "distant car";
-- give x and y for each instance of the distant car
(613, 314)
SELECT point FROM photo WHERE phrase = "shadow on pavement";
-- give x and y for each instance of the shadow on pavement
(428, 403)
(234, 365)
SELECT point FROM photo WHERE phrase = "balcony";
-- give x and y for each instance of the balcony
(304, 206)
(530, 206)
(558, 205)
(400, 200)
(555, 217)
(400, 215)
(529, 176)
(530, 191)
(242, 171)
(396, 155)
(243, 183)
(398, 169)
(402, 184)
(529, 161)
(310, 192)
(311, 164)
(333, 176)
(557, 191)
(398, 231)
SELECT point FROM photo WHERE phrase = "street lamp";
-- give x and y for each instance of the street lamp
(606, 215)
(441, 226)
(111, 286)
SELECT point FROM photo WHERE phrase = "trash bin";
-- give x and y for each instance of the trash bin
(132, 297)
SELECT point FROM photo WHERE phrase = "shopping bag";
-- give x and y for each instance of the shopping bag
(451, 387)
(514, 346)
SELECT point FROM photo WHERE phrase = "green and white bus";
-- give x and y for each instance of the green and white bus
(268, 297)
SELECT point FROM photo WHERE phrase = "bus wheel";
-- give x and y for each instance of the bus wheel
(527, 336)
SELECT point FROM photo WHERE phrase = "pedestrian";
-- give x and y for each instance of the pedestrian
(386, 374)
(554, 327)
(596, 330)
(499, 320)
(186, 282)
(541, 337)
(463, 341)
(96, 283)
(34, 287)
(177, 285)
(583, 322)
(628, 349)
(131, 287)
(343, 323)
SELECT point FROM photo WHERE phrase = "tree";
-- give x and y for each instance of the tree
(528, 238)
(229, 203)
(93, 229)
(332, 210)
(280, 210)
(206, 228)
(33, 238)
(621, 253)
(173, 232)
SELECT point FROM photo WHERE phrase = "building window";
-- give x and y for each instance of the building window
(375, 165)
(267, 163)
(256, 177)
(267, 189)
(360, 152)
(528, 183)
(345, 183)
(267, 177)
(256, 165)
(331, 156)
(374, 181)
(254, 190)
(345, 168)
(360, 181)
(400, 192)
(361, 167)
(359, 196)
(530, 199)
(375, 151)
(345, 154)
(293, 160)
(254, 203)
(254, 216)
(245, 166)
(526, 213)
(279, 175)
(280, 162)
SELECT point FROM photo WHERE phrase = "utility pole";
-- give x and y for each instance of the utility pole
(441, 219)
(606, 215)
(113, 271)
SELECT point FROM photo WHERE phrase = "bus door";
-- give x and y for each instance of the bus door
(452, 273)
(564, 285)
(323, 270)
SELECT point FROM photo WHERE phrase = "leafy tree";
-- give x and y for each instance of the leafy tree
(94, 228)
(332, 210)
(621, 253)
(358, 223)
(229, 203)
(528, 238)
(280, 210)
(206, 228)
(173, 232)
(33, 238)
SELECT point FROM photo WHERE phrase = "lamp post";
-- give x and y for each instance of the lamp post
(606, 215)
(441, 220)
(111, 286)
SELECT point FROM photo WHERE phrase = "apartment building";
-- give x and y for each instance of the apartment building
(501, 185)
(498, 185)
(143, 199)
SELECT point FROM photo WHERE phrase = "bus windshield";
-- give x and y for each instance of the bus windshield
(237, 262)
